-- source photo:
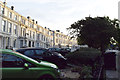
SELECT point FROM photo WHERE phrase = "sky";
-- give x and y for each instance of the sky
(60, 14)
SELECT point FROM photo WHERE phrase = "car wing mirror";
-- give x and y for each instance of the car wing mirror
(26, 66)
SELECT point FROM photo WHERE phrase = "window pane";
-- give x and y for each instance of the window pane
(15, 29)
(3, 25)
(9, 27)
(10, 14)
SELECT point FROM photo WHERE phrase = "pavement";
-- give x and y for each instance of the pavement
(112, 74)
(67, 73)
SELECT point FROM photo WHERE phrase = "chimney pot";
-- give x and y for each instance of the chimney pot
(33, 20)
(28, 17)
(4, 3)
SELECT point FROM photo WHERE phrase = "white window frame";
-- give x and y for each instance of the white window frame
(4, 26)
(10, 14)
(15, 29)
(9, 27)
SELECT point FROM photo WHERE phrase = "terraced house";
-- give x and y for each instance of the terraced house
(18, 31)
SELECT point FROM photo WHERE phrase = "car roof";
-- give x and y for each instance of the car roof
(6, 51)
(112, 51)
(30, 48)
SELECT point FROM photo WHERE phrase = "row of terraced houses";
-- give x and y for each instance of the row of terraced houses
(19, 31)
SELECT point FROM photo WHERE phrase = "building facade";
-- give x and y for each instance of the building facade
(19, 31)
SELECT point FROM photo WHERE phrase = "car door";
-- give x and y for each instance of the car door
(10, 68)
(13, 67)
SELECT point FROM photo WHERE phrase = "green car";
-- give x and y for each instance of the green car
(16, 65)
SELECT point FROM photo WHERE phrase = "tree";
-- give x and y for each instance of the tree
(118, 38)
(116, 23)
(95, 32)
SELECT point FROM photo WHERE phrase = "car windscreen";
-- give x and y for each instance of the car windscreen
(29, 53)
(20, 51)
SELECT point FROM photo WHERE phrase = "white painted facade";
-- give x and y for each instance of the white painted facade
(18, 31)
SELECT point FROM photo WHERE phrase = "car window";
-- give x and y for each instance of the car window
(47, 53)
(29, 53)
(52, 49)
(21, 51)
(11, 61)
(39, 52)
(14, 61)
(57, 49)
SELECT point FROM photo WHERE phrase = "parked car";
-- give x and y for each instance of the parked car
(68, 49)
(45, 55)
(65, 50)
(110, 59)
(62, 51)
(19, 66)
(54, 49)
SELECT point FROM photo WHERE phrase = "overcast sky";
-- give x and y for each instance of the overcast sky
(60, 14)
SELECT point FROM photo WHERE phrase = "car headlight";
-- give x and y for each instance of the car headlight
(57, 70)
(53, 66)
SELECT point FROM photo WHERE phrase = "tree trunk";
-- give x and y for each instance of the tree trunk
(102, 64)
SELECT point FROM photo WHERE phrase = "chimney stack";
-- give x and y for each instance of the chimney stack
(58, 30)
(36, 22)
(12, 7)
(33, 20)
(28, 17)
(4, 3)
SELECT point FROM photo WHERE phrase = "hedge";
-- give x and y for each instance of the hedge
(83, 56)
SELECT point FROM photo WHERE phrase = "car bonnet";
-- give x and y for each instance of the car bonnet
(48, 64)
